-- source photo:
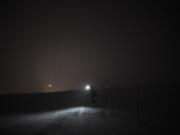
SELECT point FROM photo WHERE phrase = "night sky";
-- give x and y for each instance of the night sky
(71, 44)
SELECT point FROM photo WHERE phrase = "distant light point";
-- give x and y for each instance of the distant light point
(50, 85)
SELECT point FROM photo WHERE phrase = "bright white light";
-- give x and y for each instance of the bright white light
(87, 87)
(49, 85)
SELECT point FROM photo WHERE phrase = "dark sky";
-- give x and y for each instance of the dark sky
(71, 44)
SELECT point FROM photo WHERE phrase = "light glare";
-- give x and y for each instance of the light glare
(87, 87)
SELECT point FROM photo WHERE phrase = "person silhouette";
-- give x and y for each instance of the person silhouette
(93, 95)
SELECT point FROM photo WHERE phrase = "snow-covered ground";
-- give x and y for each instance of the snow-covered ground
(73, 121)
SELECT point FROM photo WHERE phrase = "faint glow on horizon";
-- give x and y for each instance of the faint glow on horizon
(50, 85)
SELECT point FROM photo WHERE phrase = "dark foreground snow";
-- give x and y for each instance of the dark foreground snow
(74, 121)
